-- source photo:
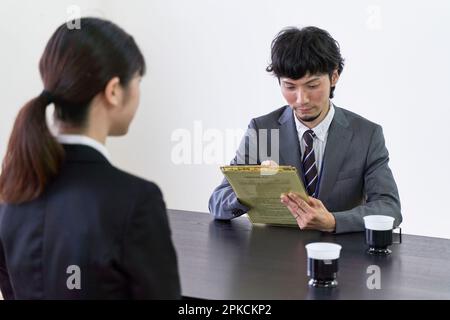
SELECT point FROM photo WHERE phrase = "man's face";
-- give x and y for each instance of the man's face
(308, 96)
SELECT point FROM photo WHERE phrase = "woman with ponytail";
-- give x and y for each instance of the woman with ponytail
(72, 226)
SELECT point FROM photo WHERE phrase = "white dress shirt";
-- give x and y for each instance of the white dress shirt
(320, 140)
(83, 140)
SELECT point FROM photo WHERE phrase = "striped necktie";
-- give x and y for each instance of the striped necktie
(309, 163)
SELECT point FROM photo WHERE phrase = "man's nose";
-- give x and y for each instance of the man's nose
(301, 97)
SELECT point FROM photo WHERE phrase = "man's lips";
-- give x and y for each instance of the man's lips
(303, 109)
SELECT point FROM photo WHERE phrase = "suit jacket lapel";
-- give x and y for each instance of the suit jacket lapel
(289, 144)
(338, 142)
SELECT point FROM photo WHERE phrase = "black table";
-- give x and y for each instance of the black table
(235, 260)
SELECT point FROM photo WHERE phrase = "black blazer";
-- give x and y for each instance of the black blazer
(111, 225)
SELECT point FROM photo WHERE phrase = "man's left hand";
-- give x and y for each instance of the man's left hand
(310, 214)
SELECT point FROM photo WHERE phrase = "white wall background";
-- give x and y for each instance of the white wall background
(206, 63)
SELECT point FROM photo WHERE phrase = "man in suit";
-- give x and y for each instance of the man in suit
(340, 156)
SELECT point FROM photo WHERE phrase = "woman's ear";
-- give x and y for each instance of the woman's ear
(113, 92)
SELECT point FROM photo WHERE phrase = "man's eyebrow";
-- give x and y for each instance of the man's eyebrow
(309, 81)
(312, 80)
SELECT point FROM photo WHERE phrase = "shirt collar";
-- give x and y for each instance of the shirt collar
(83, 140)
(321, 129)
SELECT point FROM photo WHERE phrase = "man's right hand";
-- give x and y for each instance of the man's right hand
(269, 163)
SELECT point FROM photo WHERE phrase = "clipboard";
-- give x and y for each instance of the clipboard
(259, 188)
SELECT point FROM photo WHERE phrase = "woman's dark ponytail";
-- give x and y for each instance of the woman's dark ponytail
(76, 66)
(33, 155)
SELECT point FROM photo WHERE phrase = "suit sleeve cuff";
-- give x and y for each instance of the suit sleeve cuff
(238, 209)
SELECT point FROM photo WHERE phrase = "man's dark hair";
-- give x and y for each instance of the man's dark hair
(310, 50)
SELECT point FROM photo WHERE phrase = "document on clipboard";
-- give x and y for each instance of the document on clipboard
(260, 188)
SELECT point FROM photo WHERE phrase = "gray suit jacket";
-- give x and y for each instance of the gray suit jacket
(356, 179)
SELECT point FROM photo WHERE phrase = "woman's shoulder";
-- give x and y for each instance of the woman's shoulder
(104, 180)
(133, 181)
